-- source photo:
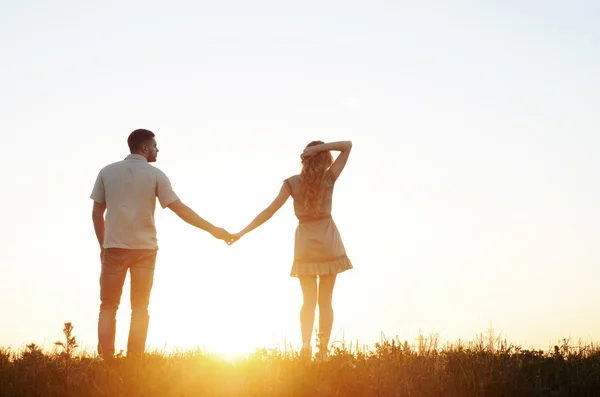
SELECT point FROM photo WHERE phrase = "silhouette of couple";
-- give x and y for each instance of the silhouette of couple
(127, 191)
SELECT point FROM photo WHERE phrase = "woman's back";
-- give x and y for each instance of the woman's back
(298, 192)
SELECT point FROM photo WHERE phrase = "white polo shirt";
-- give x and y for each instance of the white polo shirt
(129, 189)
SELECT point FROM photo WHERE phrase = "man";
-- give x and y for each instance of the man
(127, 191)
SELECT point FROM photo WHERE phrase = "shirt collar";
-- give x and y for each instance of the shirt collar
(135, 157)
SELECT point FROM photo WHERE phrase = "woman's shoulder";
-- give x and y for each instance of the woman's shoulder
(292, 183)
(293, 178)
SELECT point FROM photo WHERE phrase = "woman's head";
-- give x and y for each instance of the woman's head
(319, 162)
(314, 177)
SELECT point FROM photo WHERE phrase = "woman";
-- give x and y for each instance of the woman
(318, 251)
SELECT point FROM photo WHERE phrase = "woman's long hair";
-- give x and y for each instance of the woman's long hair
(313, 178)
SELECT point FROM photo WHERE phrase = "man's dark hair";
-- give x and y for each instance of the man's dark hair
(137, 138)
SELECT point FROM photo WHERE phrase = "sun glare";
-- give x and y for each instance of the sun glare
(230, 301)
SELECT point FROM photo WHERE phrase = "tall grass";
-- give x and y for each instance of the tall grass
(485, 366)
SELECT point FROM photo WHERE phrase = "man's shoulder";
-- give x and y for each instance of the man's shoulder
(118, 167)
(111, 166)
(160, 173)
(127, 164)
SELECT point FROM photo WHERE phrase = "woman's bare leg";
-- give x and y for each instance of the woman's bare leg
(307, 313)
(326, 284)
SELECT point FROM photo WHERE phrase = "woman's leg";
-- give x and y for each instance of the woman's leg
(307, 313)
(326, 284)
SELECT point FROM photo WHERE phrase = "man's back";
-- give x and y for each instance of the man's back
(126, 192)
(129, 189)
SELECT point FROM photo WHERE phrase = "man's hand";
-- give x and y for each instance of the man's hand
(222, 234)
(235, 237)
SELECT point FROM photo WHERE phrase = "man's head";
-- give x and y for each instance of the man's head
(142, 142)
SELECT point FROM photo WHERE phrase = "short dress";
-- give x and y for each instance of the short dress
(318, 247)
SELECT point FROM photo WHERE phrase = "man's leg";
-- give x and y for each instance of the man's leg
(112, 277)
(142, 278)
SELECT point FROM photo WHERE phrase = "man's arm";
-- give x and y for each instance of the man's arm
(191, 217)
(98, 219)
(99, 197)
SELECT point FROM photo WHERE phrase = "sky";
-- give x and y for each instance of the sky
(470, 197)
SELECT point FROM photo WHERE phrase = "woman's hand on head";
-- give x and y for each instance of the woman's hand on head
(309, 152)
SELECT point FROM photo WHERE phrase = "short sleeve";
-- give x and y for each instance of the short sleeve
(164, 190)
(288, 183)
(98, 192)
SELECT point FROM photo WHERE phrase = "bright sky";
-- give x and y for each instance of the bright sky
(471, 194)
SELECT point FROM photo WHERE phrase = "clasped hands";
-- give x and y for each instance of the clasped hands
(222, 234)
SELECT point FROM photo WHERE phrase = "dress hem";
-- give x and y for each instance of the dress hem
(331, 267)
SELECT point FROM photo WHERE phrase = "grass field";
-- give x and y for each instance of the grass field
(486, 366)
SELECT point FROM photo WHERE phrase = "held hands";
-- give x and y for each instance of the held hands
(235, 237)
(222, 234)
